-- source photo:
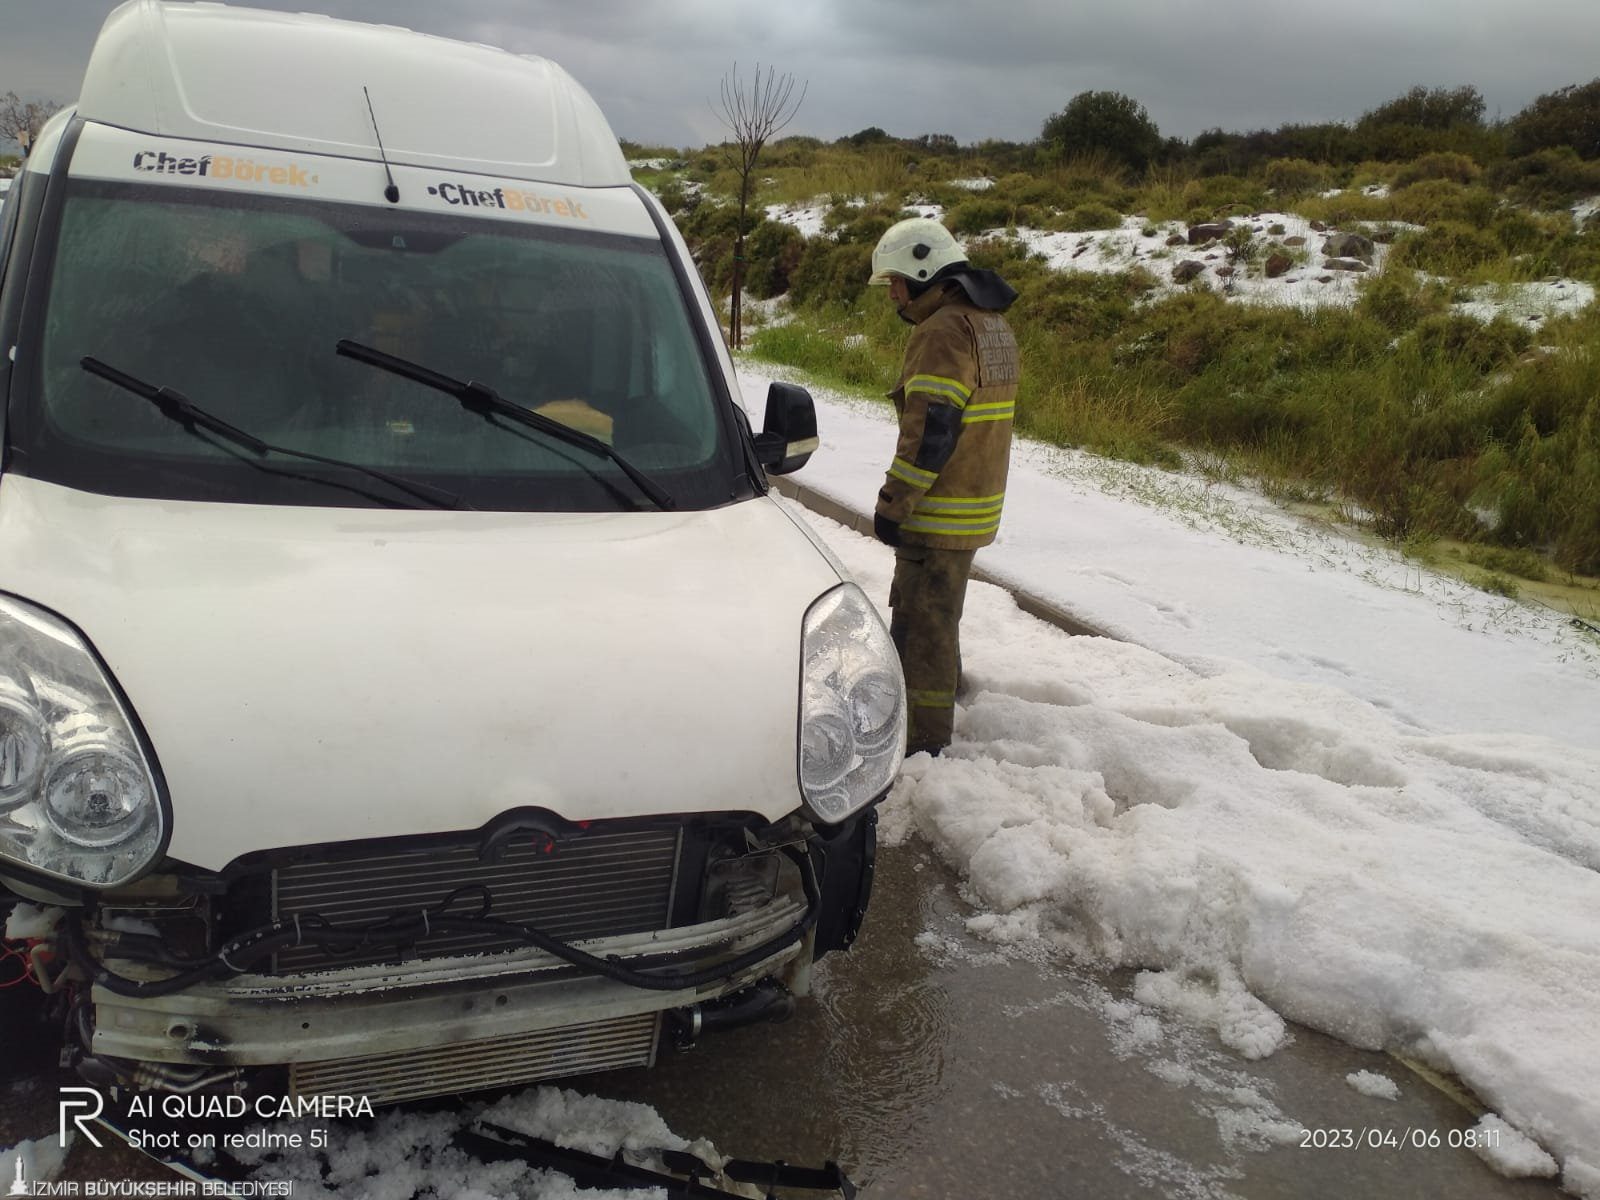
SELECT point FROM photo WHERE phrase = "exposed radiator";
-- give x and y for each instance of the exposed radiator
(475, 1066)
(594, 885)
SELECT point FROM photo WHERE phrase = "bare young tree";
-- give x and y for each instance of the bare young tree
(752, 115)
(21, 120)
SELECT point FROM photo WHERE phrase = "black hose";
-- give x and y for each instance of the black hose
(240, 953)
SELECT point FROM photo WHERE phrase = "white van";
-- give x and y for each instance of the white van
(408, 684)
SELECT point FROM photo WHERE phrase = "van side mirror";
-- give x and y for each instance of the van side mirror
(789, 434)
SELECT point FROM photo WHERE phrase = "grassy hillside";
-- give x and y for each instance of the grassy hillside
(1424, 406)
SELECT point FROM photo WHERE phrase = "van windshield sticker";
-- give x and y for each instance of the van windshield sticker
(226, 166)
(128, 155)
(508, 198)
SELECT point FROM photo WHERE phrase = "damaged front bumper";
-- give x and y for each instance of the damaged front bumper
(274, 1005)
(252, 1020)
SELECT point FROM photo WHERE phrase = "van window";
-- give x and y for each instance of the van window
(238, 301)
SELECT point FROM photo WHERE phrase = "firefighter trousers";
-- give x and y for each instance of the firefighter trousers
(925, 602)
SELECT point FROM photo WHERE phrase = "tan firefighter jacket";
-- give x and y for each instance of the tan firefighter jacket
(956, 399)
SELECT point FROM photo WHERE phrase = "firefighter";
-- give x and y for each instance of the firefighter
(944, 491)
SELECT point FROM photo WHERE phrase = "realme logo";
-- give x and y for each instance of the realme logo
(223, 166)
(455, 193)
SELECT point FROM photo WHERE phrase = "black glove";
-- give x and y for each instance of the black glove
(885, 530)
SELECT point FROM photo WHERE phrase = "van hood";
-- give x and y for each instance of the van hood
(312, 675)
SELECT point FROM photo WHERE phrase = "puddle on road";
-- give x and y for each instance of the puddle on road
(930, 1064)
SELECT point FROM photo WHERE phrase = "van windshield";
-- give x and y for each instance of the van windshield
(239, 301)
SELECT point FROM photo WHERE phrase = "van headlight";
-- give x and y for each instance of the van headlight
(78, 797)
(852, 705)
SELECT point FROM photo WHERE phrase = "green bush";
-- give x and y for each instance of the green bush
(840, 212)
(1462, 340)
(709, 221)
(1397, 299)
(772, 254)
(979, 214)
(1501, 560)
(1457, 168)
(1547, 496)
(672, 195)
(867, 226)
(1080, 305)
(1568, 118)
(1031, 190)
(831, 273)
(1218, 195)
(1108, 122)
(1094, 174)
(1550, 178)
(1448, 248)
(1523, 232)
(1090, 215)
(1540, 471)
(1294, 176)
(1443, 200)
(1435, 108)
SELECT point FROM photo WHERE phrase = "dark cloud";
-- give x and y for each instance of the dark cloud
(951, 66)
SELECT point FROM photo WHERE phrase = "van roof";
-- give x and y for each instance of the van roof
(294, 81)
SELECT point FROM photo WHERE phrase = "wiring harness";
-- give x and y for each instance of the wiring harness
(402, 929)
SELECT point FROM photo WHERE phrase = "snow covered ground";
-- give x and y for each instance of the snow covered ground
(1312, 783)
(1306, 284)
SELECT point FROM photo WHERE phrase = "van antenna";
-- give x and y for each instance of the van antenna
(390, 193)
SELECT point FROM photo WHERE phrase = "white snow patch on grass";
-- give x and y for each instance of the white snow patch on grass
(1528, 303)
(973, 185)
(805, 218)
(1306, 285)
(1370, 1083)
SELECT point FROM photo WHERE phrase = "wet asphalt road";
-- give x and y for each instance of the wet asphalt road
(932, 1066)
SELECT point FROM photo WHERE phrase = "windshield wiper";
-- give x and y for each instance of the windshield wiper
(177, 407)
(488, 404)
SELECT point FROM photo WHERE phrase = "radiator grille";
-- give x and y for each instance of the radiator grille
(595, 885)
(476, 1066)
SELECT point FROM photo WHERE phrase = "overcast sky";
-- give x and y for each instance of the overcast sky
(955, 66)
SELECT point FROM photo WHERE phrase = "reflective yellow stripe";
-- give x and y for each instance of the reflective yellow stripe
(954, 526)
(997, 410)
(938, 385)
(914, 475)
(968, 505)
(931, 699)
(967, 518)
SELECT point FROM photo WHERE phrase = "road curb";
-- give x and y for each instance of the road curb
(1029, 602)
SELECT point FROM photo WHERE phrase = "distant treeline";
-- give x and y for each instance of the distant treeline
(1421, 121)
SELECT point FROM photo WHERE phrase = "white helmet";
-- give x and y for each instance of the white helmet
(917, 248)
